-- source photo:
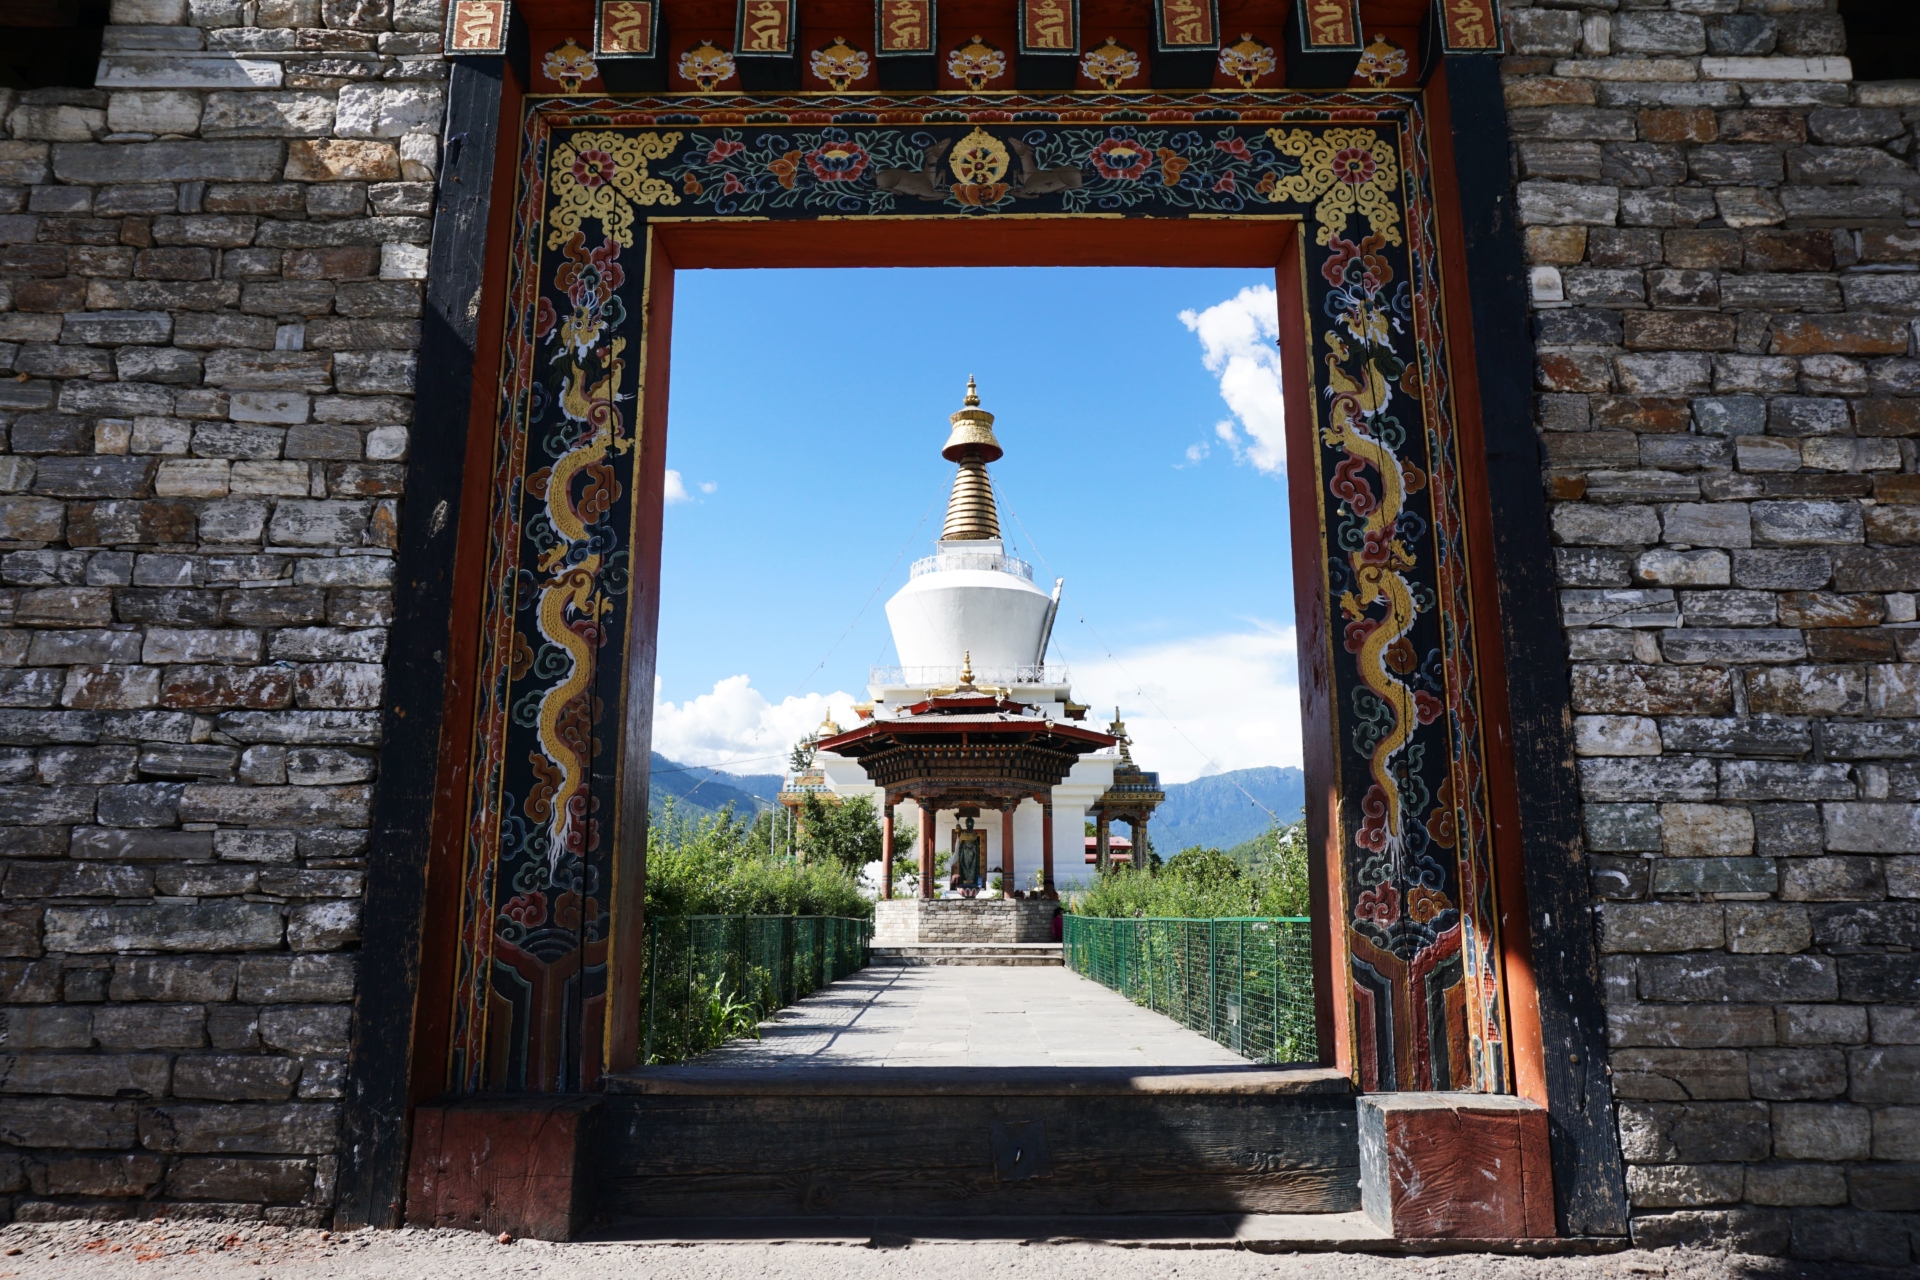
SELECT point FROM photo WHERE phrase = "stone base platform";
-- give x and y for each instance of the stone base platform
(906, 922)
(994, 953)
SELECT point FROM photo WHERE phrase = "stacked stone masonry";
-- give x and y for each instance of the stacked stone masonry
(1723, 238)
(210, 289)
(210, 286)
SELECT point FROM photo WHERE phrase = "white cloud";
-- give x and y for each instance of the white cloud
(1235, 695)
(677, 490)
(1237, 344)
(735, 727)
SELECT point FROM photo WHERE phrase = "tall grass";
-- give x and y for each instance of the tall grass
(1200, 883)
(721, 865)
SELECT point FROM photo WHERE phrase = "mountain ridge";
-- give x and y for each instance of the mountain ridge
(1213, 811)
(702, 790)
(1216, 811)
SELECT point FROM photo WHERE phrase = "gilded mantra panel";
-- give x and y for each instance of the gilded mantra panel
(1351, 169)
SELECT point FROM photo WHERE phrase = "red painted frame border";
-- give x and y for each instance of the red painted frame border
(924, 240)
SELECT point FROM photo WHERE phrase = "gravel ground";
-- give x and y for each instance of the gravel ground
(162, 1251)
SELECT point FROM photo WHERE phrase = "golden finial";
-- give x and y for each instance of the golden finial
(966, 670)
(970, 507)
(972, 430)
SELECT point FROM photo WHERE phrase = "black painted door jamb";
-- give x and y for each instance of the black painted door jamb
(374, 1154)
(1587, 1178)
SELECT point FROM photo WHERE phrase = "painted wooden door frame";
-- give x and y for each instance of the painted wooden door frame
(1555, 1042)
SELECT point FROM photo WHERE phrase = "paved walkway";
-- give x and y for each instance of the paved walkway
(969, 1016)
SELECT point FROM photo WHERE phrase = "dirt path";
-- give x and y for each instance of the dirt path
(191, 1251)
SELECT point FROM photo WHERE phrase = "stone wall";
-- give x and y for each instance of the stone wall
(209, 296)
(1724, 242)
(904, 922)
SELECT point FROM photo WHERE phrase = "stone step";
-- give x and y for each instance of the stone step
(993, 953)
(691, 1142)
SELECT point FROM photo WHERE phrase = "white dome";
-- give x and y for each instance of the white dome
(944, 614)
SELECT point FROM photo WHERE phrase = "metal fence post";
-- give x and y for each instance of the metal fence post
(1213, 986)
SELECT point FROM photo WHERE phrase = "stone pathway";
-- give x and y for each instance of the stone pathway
(967, 1016)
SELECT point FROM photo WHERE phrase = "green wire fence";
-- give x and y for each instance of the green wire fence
(711, 979)
(1246, 983)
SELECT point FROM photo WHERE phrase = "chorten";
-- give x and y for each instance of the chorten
(970, 595)
(974, 734)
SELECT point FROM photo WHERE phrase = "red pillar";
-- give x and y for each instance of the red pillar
(1046, 845)
(1007, 885)
(926, 849)
(886, 852)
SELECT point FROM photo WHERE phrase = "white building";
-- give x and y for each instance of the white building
(970, 615)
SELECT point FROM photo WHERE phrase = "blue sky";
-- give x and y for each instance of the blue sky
(1139, 410)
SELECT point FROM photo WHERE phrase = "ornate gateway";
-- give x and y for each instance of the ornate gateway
(1352, 170)
(591, 150)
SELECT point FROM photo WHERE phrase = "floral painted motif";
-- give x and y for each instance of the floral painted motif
(590, 278)
(1421, 926)
(985, 169)
(1247, 59)
(1348, 171)
(840, 64)
(1112, 64)
(837, 160)
(602, 176)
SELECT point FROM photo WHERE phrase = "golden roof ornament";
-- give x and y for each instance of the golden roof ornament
(971, 516)
(972, 429)
(966, 665)
(827, 728)
(1119, 730)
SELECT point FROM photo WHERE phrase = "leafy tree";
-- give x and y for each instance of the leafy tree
(846, 832)
(800, 759)
(906, 854)
(1203, 866)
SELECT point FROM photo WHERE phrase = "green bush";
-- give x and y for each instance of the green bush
(1200, 883)
(722, 865)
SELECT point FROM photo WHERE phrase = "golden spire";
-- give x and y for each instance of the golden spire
(1119, 730)
(970, 507)
(966, 663)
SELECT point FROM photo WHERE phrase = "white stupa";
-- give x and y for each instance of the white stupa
(970, 614)
(970, 597)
